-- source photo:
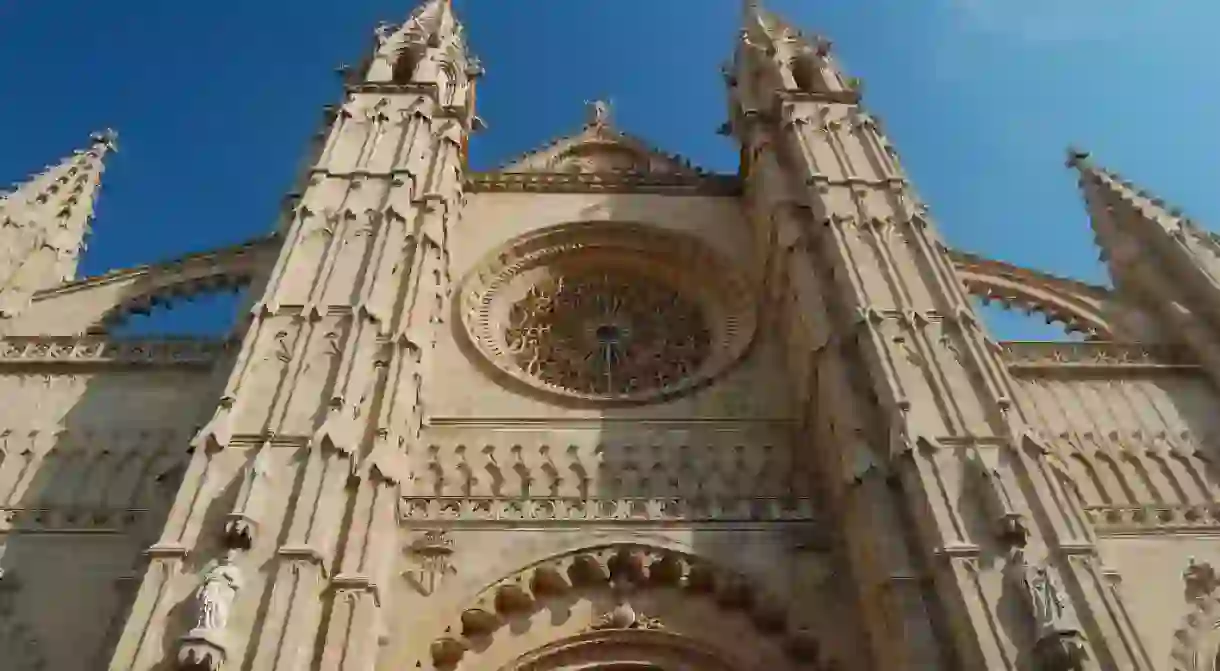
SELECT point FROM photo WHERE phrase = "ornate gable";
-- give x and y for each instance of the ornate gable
(600, 148)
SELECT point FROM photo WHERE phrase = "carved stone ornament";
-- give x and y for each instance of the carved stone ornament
(433, 554)
(205, 648)
(608, 312)
(1059, 639)
(623, 616)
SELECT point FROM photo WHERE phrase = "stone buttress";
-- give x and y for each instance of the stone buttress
(911, 404)
(295, 476)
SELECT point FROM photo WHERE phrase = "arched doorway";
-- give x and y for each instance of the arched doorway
(625, 650)
(629, 607)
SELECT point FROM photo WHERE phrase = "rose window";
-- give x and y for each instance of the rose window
(606, 334)
(607, 312)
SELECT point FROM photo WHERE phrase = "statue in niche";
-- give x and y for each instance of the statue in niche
(1060, 642)
(214, 598)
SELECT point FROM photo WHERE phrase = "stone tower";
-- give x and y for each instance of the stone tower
(601, 409)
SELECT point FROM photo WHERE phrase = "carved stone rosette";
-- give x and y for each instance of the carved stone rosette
(608, 312)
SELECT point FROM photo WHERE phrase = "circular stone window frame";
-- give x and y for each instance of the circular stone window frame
(676, 260)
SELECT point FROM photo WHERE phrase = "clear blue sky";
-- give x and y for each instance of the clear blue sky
(215, 101)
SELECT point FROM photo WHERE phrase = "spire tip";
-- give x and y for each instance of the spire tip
(109, 138)
(1076, 157)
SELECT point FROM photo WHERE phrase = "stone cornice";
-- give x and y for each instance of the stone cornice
(41, 350)
(1109, 357)
(612, 510)
(695, 184)
(848, 97)
(1155, 519)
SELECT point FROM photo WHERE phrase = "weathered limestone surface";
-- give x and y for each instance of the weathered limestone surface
(600, 408)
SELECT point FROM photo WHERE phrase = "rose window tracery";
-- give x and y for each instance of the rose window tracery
(608, 312)
(606, 333)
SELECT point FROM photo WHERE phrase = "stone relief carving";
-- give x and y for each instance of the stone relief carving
(433, 554)
(1059, 639)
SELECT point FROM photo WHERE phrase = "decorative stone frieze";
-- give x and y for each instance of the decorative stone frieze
(1155, 519)
(628, 182)
(97, 350)
(97, 520)
(606, 510)
(431, 556)
(1031, 357)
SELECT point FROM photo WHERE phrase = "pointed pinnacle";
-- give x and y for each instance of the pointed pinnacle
(108, 138)
(1076, 157)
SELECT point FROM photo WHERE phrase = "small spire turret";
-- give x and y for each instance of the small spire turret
(776, 61)
(44, 221)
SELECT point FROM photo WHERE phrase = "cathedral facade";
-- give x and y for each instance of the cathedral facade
(603, 410)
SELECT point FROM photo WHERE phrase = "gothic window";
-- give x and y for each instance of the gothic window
(629, 317)
(606, 333)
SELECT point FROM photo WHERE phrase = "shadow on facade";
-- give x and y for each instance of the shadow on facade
(91, 463)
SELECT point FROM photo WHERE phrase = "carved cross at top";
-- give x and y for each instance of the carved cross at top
(598, 113)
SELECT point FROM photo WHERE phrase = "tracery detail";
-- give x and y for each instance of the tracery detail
(606, 333)
(608, 312)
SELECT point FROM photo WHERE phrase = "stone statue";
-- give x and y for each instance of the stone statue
(1059, 640)
(1051, 609)
(216, 595)
(599, 113)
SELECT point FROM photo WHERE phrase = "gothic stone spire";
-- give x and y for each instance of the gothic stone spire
(44, 221)
(1154, 252)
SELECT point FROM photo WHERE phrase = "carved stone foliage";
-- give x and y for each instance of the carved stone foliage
(608, 312)
(622, 572)
(1153, 518)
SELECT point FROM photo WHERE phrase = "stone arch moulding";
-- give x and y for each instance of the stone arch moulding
(94, 304)
(1078, 306)
(606, 313)
(627, 650)
(628, 595)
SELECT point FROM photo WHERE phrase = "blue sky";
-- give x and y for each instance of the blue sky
(215, 102)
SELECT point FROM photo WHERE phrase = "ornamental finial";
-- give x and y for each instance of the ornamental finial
(598, 113)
